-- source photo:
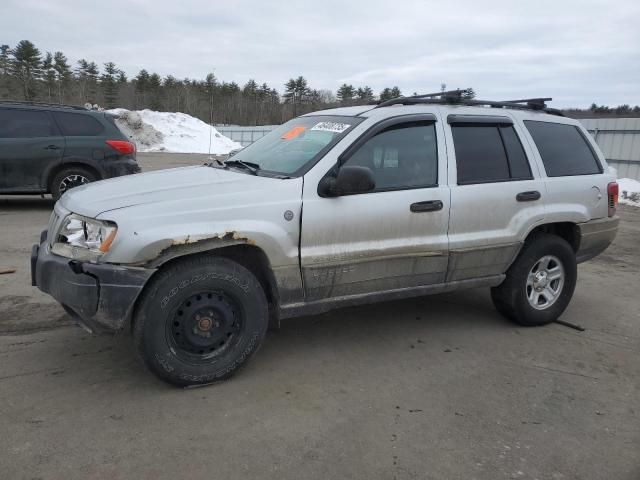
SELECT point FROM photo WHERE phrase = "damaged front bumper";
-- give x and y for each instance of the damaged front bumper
(99, 296)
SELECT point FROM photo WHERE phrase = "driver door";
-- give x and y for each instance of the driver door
(391, 238)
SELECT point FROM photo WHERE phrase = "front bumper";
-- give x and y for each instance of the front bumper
(99, 296)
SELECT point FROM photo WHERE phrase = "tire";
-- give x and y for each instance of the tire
(68, 178)
(199, 320)
(539, 283)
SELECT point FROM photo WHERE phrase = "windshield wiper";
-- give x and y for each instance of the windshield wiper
(252, 167)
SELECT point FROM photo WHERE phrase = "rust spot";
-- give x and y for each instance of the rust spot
(194, 244)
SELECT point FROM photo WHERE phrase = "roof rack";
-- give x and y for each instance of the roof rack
(40, 104)
(463, 97)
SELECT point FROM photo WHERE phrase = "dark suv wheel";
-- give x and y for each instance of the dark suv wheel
(540, 283)
(200, 320)
(69, 178)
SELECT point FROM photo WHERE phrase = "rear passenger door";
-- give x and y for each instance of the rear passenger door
(30, 146)
(496, 194)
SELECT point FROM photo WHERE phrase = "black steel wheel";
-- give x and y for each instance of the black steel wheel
(199, 320)
(204, 326)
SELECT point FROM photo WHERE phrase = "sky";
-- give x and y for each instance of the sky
(577, 52)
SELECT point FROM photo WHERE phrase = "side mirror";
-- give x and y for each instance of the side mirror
(350, 180)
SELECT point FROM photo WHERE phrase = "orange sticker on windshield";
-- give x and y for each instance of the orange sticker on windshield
(293, 133)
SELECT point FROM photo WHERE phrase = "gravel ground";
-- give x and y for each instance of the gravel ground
(429, 388)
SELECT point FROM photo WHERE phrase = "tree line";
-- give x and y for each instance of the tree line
(26, 73)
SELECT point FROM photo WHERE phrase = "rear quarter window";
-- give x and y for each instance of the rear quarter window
(78, 124)
(563, 148)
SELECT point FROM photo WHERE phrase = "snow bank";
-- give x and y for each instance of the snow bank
(171, 132)
(629, 191)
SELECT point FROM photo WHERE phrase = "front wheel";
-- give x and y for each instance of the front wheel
(200, 320)
(540, 283)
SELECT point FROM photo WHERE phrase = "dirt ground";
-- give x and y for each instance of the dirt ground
(439, 387)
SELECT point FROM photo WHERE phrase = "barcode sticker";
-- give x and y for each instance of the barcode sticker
(331, 127)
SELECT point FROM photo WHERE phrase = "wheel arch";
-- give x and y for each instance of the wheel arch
(251, 257)
(64, 166)
(568, 231)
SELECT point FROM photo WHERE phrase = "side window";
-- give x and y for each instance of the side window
(488, 153)
(402, 156)
(78, 124)
(25, 124)
(563, 148)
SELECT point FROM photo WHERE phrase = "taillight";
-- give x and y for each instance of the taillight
(122, 146)
(612, 192)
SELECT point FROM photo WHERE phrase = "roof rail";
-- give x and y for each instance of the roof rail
(40, 104)
(462, 97)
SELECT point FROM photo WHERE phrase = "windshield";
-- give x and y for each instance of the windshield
(295, 146)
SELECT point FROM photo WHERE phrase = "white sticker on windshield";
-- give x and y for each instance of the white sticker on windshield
(331, 127)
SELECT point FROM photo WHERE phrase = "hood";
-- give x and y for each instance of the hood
(161, 186)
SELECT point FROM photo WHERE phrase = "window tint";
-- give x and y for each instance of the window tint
(563, 149)
(402, 156)
(518, 163)
(78, 125)
(488, 153)
(25, 124)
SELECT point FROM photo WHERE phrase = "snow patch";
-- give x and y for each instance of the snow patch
(171, 132)
(629, 191)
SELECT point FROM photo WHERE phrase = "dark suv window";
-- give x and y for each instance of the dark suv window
(489, 153)
(78, 124)
(563, 148)
(25, 124)
(402, 156)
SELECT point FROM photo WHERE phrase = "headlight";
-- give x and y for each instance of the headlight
(84, 238)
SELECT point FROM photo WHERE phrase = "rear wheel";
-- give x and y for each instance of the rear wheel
(69, 178)
(540, 283)
(200, 320)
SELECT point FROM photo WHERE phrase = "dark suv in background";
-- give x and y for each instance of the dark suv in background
(48, 148)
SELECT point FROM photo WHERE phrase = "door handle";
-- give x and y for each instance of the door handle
(428, 206)
(52, 147)
(528, 196)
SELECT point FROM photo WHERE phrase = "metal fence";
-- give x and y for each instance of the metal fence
(245, 135)
(618, 138)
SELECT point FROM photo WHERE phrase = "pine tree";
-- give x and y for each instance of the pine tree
(5, 67)
(364, 94)
(395, 92)
(63, 73)
(92, 74)
(345, 94)
(142, 86)
(297, 92)
(110, 85)
(49, 75)
(26, 67)
(5, 59)
(386, 94)
(155, 92)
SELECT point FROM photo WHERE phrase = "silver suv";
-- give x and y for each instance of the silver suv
(413, 196)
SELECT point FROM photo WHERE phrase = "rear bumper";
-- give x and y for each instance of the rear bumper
(120, 167)
(100, 297)
(595, 237)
